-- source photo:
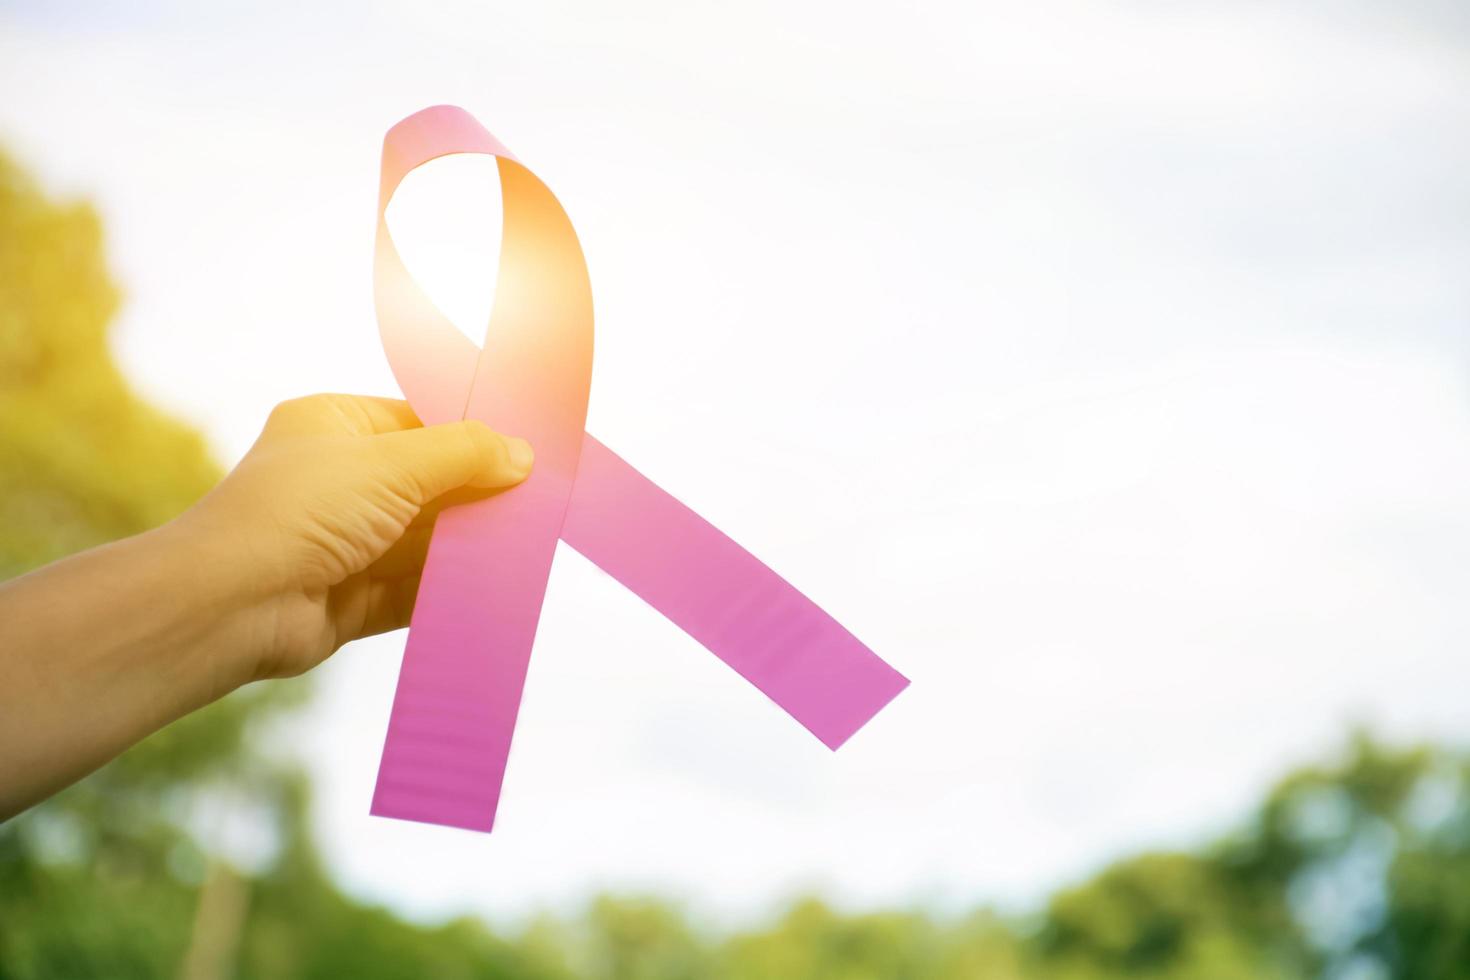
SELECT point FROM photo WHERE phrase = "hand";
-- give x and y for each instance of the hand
(327, 518)
(317, 537)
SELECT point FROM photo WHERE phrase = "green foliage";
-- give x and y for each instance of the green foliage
(816, 942)
(1158, 915)
(84, 460)
(1359, 868)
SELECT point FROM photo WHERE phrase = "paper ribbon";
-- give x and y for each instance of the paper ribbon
(470, 638)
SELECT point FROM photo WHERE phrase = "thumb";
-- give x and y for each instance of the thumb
(440, 458)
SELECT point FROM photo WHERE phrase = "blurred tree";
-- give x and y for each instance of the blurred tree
(1357, 869)
(1159, 915)
(813, 941)
(86, 461)
(1371, 858)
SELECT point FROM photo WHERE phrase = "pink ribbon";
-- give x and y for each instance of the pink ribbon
(470, 639)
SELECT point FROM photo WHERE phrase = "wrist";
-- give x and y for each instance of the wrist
(109, 645)
(211, 604)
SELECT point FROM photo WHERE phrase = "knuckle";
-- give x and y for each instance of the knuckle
(477, 440)
(296, 408)
(397, 472)
(319, 413)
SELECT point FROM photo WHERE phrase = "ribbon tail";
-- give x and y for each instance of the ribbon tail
(464, 667)
(726, 598)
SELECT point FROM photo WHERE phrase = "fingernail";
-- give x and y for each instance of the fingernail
(521, 456)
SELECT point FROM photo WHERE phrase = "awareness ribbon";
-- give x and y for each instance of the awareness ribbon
(469, 641)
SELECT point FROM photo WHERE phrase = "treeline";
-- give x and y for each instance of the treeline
(1356, 869)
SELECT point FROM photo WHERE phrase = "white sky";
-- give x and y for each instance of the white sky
(1102, 365)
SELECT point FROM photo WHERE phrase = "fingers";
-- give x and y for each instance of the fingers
(365, 605)
(381, 597)
(429, 512)
(389, 606)
(406, 556)
(385, 414)
(441, 458)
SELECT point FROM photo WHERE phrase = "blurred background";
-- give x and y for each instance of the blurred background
(1102, 365)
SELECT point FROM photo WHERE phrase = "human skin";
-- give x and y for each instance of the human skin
(315, 539)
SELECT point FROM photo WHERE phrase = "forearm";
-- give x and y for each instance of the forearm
(100, 649)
